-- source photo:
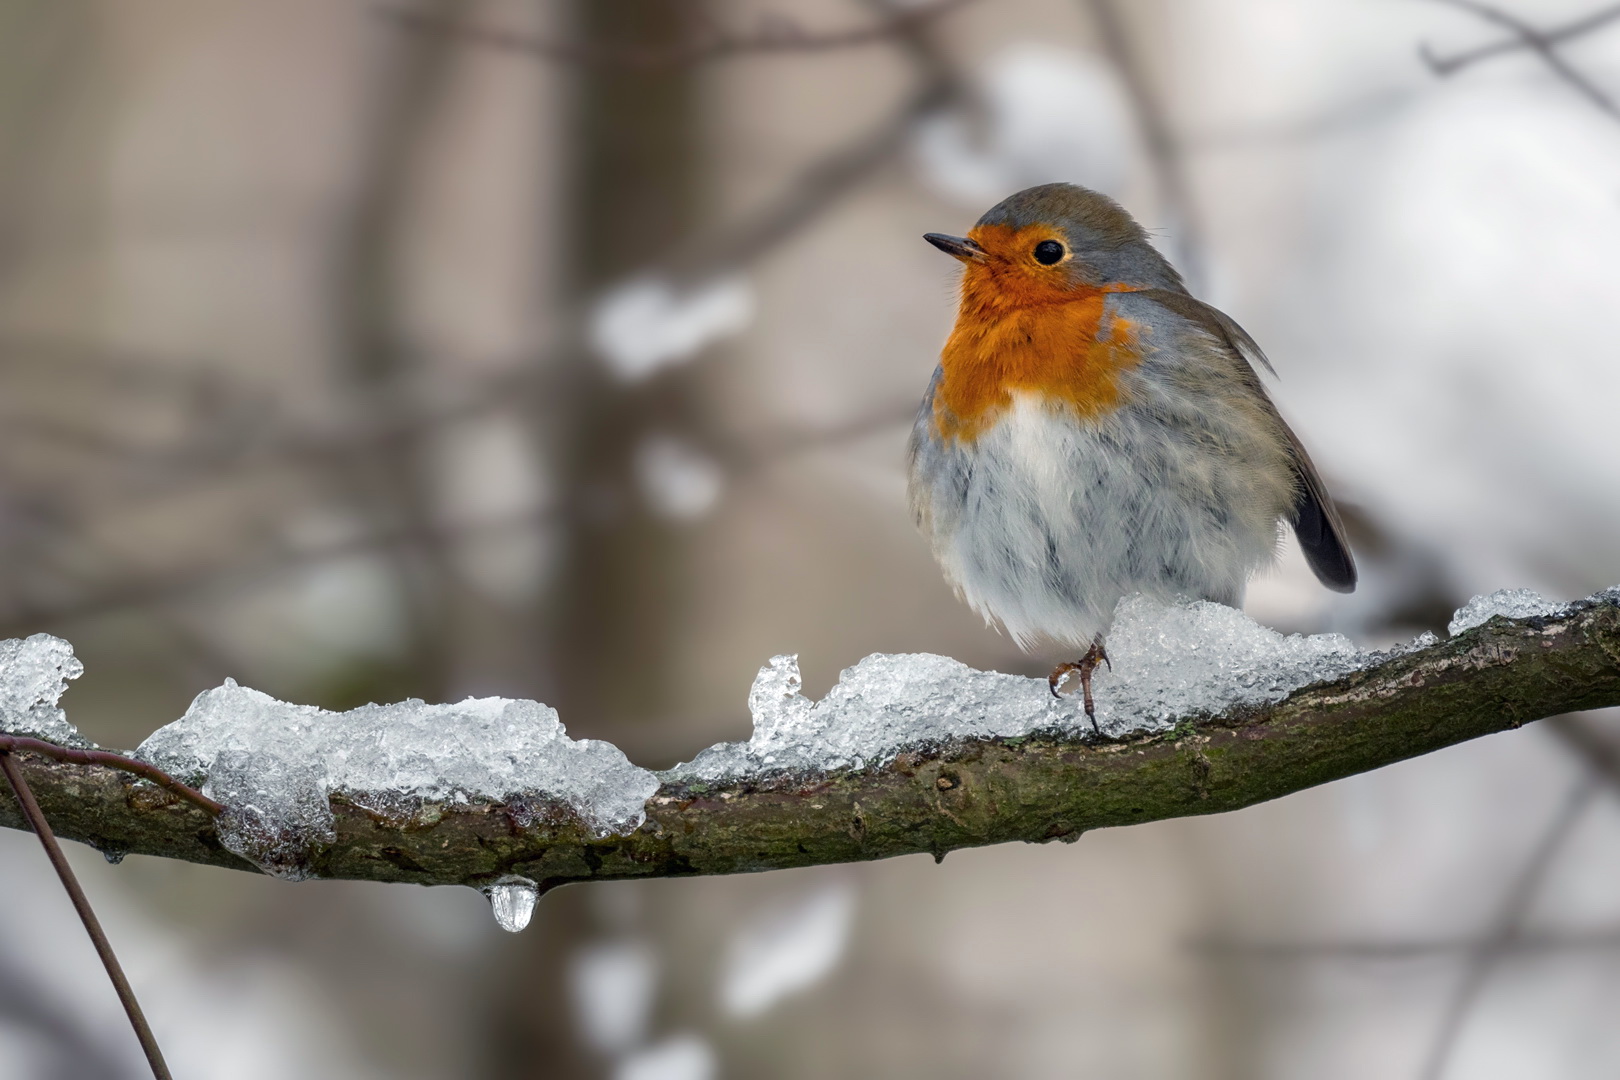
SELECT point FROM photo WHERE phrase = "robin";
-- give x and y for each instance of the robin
(1093, 431)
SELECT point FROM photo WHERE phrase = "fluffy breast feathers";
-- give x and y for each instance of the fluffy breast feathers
(1112, 447)
(1070, 349)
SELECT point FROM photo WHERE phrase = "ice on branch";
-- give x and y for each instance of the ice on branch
(34, 672)
(1171, 662)
(649, 322)
(1513, 603)
(275, 766)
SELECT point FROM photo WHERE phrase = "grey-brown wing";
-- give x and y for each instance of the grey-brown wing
(1316, 521)
(1317, 524)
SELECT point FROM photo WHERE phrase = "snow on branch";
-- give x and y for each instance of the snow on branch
(1206, 712)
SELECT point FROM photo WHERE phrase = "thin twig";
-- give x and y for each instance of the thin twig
(74, 756)
(1446, 65)
(1536, 40)
(81, 903)
(776, 36)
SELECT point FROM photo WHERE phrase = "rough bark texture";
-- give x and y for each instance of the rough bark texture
(964, 794)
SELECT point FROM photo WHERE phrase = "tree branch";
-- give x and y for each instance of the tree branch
(930, 799)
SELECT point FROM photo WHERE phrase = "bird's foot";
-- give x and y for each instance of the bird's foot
(1084, 667)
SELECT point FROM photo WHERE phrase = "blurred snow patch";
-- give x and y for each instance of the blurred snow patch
(1048, 113)
(274, 765)
(788, 948)
(34, 672)
(648, 323)
(1171, 661)
(491, 490)
(612, 985)
(678, 480)
(1512, 603)
(336, 601)
(679, 1057)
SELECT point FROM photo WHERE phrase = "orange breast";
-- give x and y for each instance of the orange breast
(1053, 346)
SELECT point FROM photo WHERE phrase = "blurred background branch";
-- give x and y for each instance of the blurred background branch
(1545, 45)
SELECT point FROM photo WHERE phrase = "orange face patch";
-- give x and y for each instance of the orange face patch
(1025, 327)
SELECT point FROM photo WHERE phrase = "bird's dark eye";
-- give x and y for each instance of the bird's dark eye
(1048, 252)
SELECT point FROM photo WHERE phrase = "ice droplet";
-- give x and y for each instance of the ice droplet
(512, 900)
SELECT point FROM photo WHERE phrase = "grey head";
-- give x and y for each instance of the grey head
(1107, 243)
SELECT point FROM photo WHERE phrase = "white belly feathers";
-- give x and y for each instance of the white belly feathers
(1047, 521)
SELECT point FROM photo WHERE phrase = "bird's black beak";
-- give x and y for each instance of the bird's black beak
(958, 247)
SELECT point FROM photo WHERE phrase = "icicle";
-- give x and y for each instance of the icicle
(512, 900)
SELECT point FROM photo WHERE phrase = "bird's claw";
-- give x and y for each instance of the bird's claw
(1059, 676)
(1084, 666)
